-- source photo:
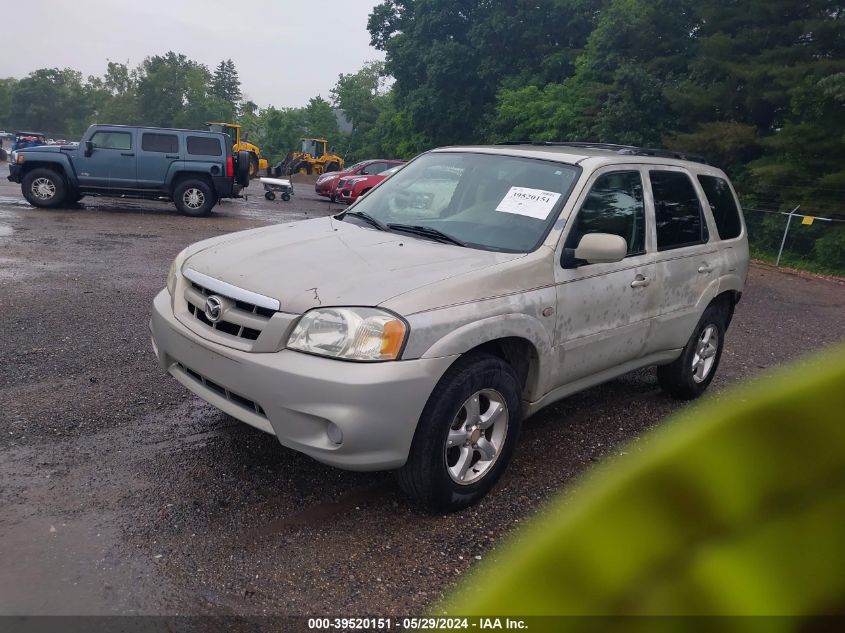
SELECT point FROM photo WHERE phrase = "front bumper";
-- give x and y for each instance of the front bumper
(297, 396)
(15, 172)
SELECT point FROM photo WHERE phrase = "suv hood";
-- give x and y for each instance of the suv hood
(335, 262)
(43, 148)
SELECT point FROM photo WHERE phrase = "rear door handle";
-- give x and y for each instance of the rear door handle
(705, 268)
(640, 281)
(127, 153)
(171, 155)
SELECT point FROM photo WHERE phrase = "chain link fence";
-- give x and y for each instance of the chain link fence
(797, 239)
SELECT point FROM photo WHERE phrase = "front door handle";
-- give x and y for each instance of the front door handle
(127, 153)
(640, 281)
(171, 155)
(705, 268)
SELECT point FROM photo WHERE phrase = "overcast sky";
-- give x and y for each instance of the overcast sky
(286, 51)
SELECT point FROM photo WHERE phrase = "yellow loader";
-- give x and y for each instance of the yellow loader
(313, 158)
(256, 163)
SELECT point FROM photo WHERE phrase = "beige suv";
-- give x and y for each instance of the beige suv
(416, 330)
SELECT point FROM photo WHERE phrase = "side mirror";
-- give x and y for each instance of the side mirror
(89, 148)
(601, 248)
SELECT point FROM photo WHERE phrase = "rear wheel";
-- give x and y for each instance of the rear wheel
(270, 195)
(689, 376)
(286, 196)
(465, 436)
(44, 188)
(194, 197)
(253, 166)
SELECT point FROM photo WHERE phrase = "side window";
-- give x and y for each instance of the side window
(677, 211)
(368, 169)
(164, 143)
(112, 140)
(377, 168)
(614, 205)
(723, 206)
(204, 146)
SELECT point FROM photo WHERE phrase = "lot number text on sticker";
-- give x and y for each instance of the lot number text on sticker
(534, 203)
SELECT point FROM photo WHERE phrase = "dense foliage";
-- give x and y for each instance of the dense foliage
(756, 86)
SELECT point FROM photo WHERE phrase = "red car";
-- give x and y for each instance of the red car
(350, 188)
(326, 184)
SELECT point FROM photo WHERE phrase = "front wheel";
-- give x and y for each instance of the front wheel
(270, 195)
(44, 188)
(688, 376)
(465, 436)
(286, 196)
(194, 197)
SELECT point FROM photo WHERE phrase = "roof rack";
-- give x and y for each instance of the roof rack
(630, 150)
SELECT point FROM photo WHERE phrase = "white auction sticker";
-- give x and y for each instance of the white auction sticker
(534, 203)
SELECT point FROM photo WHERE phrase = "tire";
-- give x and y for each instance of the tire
(332, 166)
(44, 188)
(286, 197)
(301, 166)
(270, 195)
(332, 198)
(194, 197)
(253, 166)
(432, 475)
(243, 170)
(689, 376)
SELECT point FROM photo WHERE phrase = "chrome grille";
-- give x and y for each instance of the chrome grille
(240, 319)
(220, 390)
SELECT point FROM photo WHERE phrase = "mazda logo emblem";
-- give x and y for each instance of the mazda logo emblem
(213, 308)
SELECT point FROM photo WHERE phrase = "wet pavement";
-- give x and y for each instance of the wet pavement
(122, 493)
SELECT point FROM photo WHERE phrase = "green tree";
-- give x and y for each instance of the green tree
(7, 89)
(52, 100)
(449, 59)
(356, 94)
(173, 91)
(226, 86)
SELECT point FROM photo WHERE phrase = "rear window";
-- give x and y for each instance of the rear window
(204, 146)
(165, 143)
(722, 203)
(677, 210)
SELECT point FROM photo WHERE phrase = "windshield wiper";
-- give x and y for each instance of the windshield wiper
(427, 231)
(381, 226)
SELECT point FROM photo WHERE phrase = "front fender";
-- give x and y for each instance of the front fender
(59, 162)
(469, 336)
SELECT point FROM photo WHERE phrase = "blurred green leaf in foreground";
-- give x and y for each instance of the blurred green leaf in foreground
(736, 507)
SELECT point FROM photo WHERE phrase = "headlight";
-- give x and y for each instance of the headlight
(173, 273)
(366, 334)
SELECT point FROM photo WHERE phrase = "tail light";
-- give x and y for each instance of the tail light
(230, 166)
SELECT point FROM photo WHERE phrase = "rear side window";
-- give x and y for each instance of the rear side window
(614, 205)
(204, 146)
(677, 211)
(112, 140)
(165, 143)
(722, 203)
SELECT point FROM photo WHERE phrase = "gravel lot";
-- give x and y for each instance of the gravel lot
(123, 493)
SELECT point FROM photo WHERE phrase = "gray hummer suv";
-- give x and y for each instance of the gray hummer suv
(192, 168)
(417, 329)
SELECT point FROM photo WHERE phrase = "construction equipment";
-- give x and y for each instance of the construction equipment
(256, 163)
(313, 158)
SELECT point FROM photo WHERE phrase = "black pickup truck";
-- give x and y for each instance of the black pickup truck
(194, 169)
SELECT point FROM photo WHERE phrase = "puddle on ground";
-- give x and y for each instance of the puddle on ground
(52, 566)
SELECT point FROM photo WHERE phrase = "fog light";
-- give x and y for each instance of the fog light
(334, 433)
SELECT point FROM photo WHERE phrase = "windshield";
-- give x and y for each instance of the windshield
(499, 203)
